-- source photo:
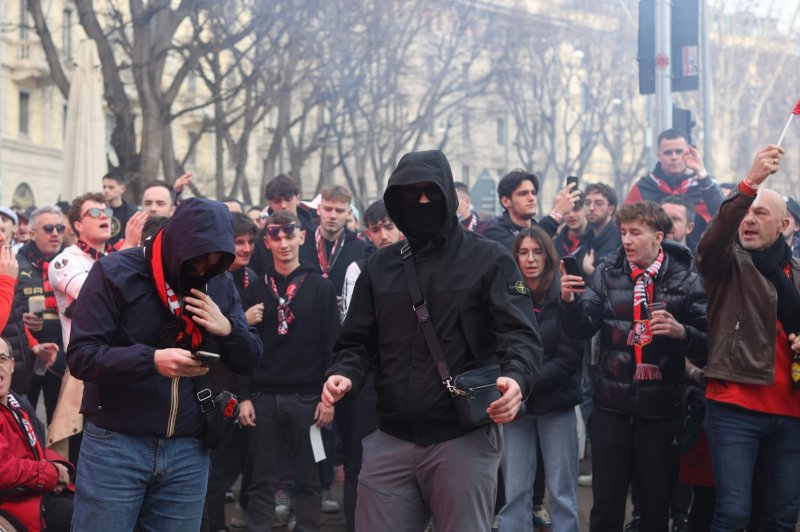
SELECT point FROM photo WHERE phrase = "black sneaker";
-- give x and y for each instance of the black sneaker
(633, 526)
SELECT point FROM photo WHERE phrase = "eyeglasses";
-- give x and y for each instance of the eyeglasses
(274, 231)
(5, 359)
(432, 192)
(669, 153)
(58, 228)
(95, 212)
(597, 203)
(531, 253)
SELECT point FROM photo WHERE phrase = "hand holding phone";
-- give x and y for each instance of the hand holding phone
(571, 281)
(572, 179)
(205, 357)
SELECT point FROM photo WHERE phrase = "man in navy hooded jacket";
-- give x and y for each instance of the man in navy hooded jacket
(421, 461)
(141, 314)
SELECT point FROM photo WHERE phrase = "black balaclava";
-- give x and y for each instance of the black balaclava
(422, 220)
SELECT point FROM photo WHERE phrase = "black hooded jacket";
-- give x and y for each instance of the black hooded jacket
(119, 322)
(478, 304)
(607, 306)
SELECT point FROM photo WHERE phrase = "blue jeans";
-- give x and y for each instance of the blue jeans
(125, 478)
(557, 433)
(736, 437)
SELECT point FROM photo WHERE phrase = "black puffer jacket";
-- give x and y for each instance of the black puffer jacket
(607, 305)
(558, 386)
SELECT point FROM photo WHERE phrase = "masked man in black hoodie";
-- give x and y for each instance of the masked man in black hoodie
(140, 316)
(421, 461)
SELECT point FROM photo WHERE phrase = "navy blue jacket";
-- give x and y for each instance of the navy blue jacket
(119, 323)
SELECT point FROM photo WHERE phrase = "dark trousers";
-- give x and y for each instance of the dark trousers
(227, 462)
(625, 450)
(280, 417)
(50, 385)
(58, 511)
(363, 420)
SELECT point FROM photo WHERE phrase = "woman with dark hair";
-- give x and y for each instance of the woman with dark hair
(550, 421)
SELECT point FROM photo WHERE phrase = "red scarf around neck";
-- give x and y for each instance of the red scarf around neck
(191, 335)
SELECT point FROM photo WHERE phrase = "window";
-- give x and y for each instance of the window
(66, 33)
(465, 126)
(23, 20)
(24, 112)
(501, 132)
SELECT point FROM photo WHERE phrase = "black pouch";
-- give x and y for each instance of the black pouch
(221, 414)
(474, 391)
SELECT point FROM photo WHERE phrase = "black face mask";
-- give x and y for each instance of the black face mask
(422, 220)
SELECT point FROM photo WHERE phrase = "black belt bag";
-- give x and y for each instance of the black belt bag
(472, 391)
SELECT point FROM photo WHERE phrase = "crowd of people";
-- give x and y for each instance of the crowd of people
(187, 344)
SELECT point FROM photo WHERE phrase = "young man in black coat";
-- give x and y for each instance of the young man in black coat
(640, 375)
(281, 400)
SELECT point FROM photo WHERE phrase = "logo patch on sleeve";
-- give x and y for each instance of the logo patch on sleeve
(518, 288)
(60, 263)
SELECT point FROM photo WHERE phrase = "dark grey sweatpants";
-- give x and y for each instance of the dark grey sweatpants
(403, 484)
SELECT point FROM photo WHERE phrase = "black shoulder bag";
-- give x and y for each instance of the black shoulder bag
(220, 413)
(472, 391)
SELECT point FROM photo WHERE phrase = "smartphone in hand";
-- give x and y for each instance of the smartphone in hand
(571, 265)
(205, 357)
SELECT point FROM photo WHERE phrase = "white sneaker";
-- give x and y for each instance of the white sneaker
(239, 518)
(585, 480)
(329, 504)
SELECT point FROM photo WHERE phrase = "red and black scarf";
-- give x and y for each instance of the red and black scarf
(26, 427)
(640, 333)
(327, 261)
(89, 250)
(38, 262)
(285, 314)
(189, 335)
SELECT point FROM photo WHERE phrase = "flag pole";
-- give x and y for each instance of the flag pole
(796, 111)
(785, 129)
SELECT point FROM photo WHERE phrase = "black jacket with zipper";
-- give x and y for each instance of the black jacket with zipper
(297, 361)
(478, 304)
(119, 322)
(607, 306)
(504, 230)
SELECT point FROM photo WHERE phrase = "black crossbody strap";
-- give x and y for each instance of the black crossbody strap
(420, 307)
(203, 393)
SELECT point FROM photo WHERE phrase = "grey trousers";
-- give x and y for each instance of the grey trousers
(403, 484)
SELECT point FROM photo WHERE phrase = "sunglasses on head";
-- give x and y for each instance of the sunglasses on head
(274, 231)
(432, 192)
(49, 228)
(95, 212)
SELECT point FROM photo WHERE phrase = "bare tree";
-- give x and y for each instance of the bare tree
(147, 49)
(403, 68)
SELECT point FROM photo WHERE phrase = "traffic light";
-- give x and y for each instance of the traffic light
(683, 120)
(684, 53)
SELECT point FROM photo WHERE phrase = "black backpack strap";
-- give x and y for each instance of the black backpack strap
(420, 307)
